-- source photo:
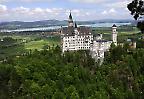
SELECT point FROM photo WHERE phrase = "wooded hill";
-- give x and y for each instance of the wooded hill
(49, 74)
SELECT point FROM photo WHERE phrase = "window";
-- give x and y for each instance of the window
(86, 41)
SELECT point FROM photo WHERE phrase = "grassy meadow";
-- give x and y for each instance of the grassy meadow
(26, 43)
(40, 44)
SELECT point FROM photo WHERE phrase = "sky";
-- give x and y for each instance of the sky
(34, 10)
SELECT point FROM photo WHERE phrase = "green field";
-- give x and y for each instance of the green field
(40, 43)
(26, 43)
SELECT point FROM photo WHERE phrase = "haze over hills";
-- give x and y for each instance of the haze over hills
(48, 23)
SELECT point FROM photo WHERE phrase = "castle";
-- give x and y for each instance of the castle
(75, 38)
(81, 38)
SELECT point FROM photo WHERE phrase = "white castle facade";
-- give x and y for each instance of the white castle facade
(81, 38)
(76, 38)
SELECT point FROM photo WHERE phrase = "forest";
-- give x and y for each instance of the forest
(49, 74)
(35, 68)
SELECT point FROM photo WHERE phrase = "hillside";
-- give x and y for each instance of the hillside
(47, 23)
(48, 74)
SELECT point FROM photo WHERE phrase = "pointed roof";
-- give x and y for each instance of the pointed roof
(114, 25)
(70, 16)
(75, 25)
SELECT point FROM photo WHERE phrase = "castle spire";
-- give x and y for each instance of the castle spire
(70, 21)
(70, 16)
(75, 24)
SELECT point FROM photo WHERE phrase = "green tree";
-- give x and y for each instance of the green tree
(136, 7)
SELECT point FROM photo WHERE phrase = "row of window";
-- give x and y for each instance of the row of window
(78, 37)
(81, 47)
(80, 44)
(84, 41)
(77, 42)
(77, 46)
(84, 47)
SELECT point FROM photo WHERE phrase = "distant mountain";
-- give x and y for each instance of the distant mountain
(20, 24)
(114, 21)
(48, 23)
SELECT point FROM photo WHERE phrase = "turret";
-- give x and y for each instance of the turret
(75, 25)
(76, 29)
(70, 21)
(114, 34)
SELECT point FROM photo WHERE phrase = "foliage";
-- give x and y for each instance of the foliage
(136, 7)
(73, 75)
(7, 41)
(140, 43)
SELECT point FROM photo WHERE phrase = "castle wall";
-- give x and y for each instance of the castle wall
(77, 42)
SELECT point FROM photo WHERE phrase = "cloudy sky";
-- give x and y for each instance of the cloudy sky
(32, 10)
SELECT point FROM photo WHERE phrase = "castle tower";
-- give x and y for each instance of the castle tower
(70, 21)
(76, 36)
(114, 34)
(76, 29)
(75, 25)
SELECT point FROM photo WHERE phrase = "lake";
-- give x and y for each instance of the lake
(58, 27)
(107, 24)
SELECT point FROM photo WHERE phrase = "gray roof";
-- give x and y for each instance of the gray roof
(114, 25)
(69, 31)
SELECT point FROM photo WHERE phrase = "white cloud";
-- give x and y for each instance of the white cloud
(111, 11)
(3, 8)
(38, 10)
(21, 10)
(89, 1)
(31, 14)
(48, 10)
(117, 9)
(28, 1)
(35, 0)
(119, 4)
(78, 14)
(104, 12)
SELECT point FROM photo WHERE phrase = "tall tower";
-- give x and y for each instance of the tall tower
(76, 30)
(70, 21)
(114, 34)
